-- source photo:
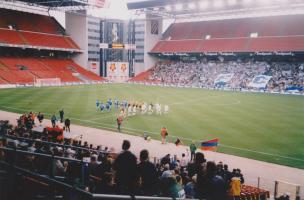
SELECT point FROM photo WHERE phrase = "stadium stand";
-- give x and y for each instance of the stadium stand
(284, 75)
(63, 162)
(234, 35)
(19, 29)
(29, 22)
(25, 70)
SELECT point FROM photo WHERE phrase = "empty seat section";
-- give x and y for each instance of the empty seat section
(278, 44)
(46, 40)
(29, 22)
(13, 78)
(27, 77)
(10, 37)
(69, 66)
(2, 82)
(27, 63)
(232, 28)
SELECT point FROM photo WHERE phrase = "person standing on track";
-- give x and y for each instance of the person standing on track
(61, 114)
(67, 124)
(53, 120)
(40, 117)
(192, 150)
(119, 122)
(164, 134)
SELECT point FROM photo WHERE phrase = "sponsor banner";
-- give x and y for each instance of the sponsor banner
(130, 46)
(112, 70)
(99, 3)
(94, 67)
(103, 45)
(259, 81)
(223, 78)
(124, 69)
(118, 71)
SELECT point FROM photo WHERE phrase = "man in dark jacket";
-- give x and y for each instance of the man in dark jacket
(67, 124)
(197, 165)
(125, 166)
(61, 114)
(209, 185)
(148, 174)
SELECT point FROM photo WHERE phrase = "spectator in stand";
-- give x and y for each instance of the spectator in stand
(183, 162)
(148, 174)
(190, 188)
(125, 166)
(209, 185)
(235, 187)
(198, 164)
(226, 174)
(107, 184)
(94, 166)
(165, 160)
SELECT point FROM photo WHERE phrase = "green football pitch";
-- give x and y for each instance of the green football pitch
(267, 127)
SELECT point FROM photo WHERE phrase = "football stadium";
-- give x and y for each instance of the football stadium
(152, 99)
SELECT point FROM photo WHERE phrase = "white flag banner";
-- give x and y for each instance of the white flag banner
(223, 78)
(260, 81)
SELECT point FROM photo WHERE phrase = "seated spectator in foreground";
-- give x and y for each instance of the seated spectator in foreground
(107, 185)
(190, 188)
(125, 166)
(147, 173)
(209, 185)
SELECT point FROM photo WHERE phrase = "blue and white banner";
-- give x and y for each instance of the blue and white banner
(223, 78)
(259, 81)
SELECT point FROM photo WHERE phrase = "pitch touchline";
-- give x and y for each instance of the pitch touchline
(189, 139)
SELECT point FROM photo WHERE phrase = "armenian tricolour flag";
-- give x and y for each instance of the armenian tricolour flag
(210, 145)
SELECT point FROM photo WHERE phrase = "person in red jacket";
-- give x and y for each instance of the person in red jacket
(164, 134)
(119, 122)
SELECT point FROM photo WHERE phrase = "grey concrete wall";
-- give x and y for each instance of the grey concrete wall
(76, 27)
(150, 42)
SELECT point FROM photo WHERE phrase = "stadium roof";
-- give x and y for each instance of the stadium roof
(193, 8)
(57, 3)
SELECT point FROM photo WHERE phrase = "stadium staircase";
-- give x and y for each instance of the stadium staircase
(24, 40)
(82, 78)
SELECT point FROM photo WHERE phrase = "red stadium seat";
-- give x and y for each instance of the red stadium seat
(25, 70)
(233, 35)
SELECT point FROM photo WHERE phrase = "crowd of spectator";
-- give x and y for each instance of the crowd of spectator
(100, 171)
(203, 74)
